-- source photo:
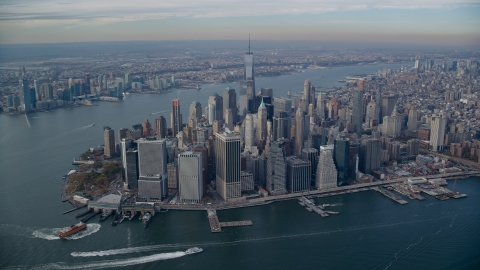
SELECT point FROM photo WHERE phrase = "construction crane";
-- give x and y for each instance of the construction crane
(453, 189)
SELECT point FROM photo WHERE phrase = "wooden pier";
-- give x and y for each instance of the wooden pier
(390, 195)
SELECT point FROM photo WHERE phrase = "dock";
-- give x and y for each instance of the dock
(236, 223)
(85, 219)
(214, 222)
(404, 191)
(76, 208)
(390, 195)
(311, 207)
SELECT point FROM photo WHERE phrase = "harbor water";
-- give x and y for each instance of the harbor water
(371, 231)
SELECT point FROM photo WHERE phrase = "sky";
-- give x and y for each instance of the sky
(449, 22)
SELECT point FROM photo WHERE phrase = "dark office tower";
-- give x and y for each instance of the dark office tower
(298, 174)
(357, 113)
(176, 117)
(353, 155)
(281, 126)
(276, 169)
(215, 108)
(230, 102)
(109, 138)
(299, 130)
(160, 125)
(122, 133)
(282, 105)
(25, 99)
(152, 160)
(227, 160)
(370, 154)
(131, 169)
(195, 109)
(307, 89)
(413, 147)
(388, 103)
(454, 65)
(340, 157)
(146, 129)
(267, 92)
(310, 155)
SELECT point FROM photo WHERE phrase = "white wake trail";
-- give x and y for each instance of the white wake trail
(114, 263)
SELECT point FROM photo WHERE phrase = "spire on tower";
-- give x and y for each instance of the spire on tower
(248, 42)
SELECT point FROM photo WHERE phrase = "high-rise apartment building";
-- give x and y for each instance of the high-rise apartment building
(299, 132)
(228, 167)
(160, 126)
(190, 176)
(437, 136)
(109, 139)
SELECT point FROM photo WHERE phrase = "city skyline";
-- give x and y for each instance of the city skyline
(421, 22)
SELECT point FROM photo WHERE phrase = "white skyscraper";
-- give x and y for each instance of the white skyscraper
(249, 132)
(320, 107)
(190, 176)
(326, 176)
(262, 122)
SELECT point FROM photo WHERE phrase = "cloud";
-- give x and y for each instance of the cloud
(72, 13)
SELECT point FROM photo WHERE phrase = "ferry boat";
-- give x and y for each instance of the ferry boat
(193, 250)
(72, 229)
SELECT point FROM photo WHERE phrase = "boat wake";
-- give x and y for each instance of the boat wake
(114, 263)
(52, 234)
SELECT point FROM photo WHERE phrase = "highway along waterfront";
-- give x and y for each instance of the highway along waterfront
(371, 231)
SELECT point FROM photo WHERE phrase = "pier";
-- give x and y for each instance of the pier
(85, 219)
(214, 222)
(310, 206)
(76, 208)
(216, 226)
(236, 223)
(390, 195)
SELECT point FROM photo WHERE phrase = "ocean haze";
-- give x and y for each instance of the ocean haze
(407, 22)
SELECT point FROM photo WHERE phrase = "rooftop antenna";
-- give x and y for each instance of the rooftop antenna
(248, 43)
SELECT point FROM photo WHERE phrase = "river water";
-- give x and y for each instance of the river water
(371, 232)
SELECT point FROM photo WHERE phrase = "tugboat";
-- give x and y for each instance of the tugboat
(72, 229)
(146, 219)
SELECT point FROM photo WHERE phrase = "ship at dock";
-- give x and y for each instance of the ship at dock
(72, 229)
